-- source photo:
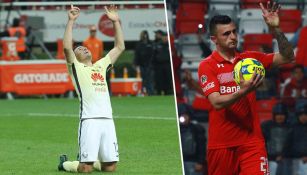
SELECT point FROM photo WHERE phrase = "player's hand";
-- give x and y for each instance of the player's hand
(73, 13)
(111, 12)
(251, 84)
(270, 14)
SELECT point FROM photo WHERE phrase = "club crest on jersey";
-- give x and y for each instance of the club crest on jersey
(203, 79)
(97, 76)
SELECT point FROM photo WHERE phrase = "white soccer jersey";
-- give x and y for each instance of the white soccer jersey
(92, 89)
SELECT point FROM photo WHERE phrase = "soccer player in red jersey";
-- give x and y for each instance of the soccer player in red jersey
(235, 144)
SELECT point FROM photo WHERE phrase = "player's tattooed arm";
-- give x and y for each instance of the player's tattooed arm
(284, 46)
(271, 18)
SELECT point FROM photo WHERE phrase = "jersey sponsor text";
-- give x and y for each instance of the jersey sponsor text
(208, 86)
(229, 89)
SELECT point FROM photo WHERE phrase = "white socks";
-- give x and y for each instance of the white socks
(71, 166)
(97, 165)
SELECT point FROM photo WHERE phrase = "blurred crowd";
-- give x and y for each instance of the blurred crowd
(153, 58)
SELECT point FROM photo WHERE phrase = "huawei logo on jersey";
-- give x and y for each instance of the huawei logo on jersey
(97, 76)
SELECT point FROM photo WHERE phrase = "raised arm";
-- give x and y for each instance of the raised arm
(270, 15)
(73, 14)
(119, 45)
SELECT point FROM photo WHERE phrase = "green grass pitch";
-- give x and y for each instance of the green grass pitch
(34, 132)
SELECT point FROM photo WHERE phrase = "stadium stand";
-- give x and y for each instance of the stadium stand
(252, 22)
(250, 4)
(189, 15)
(264, 108)
(256, 42)
(290, 20)
(230, 12)
(188, 47)
(224, 4)
(289, 4)
(190, 38)
(301, 54)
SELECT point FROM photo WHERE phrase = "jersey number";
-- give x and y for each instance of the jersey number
(264, 165)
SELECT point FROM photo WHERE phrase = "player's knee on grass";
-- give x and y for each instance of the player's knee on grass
(108, 166)
(85, 167)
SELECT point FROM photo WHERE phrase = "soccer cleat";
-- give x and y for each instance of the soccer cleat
(63, 158)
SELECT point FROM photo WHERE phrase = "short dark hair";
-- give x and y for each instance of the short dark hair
(218, 19)
(280, 108)
(301, 109)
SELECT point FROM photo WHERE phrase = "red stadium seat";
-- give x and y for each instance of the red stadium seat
(301, 54)
(191, 11)
(264, 108)
(255, 42)
(183, 27)
(189, 15)
(290, 20)
(248, 4)
(265, 116)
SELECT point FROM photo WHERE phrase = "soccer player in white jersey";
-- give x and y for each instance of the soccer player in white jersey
(97, 138)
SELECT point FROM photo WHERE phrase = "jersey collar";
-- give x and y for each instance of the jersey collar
(220, 59)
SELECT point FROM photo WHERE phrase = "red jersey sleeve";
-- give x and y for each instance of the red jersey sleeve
(207, 79)
(265, 59)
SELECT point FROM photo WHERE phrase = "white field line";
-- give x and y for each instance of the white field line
(77, 115)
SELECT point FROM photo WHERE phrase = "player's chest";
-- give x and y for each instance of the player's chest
(224, 72)
(225, 78)
(95, 75)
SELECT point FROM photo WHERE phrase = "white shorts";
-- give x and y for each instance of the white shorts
(97, 141)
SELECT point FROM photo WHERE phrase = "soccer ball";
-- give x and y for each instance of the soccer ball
(247, 67)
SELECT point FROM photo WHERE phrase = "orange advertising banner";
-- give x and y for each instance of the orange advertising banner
(126, 86)
(34, 77)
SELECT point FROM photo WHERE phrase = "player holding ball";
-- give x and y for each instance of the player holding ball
(235, 143)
